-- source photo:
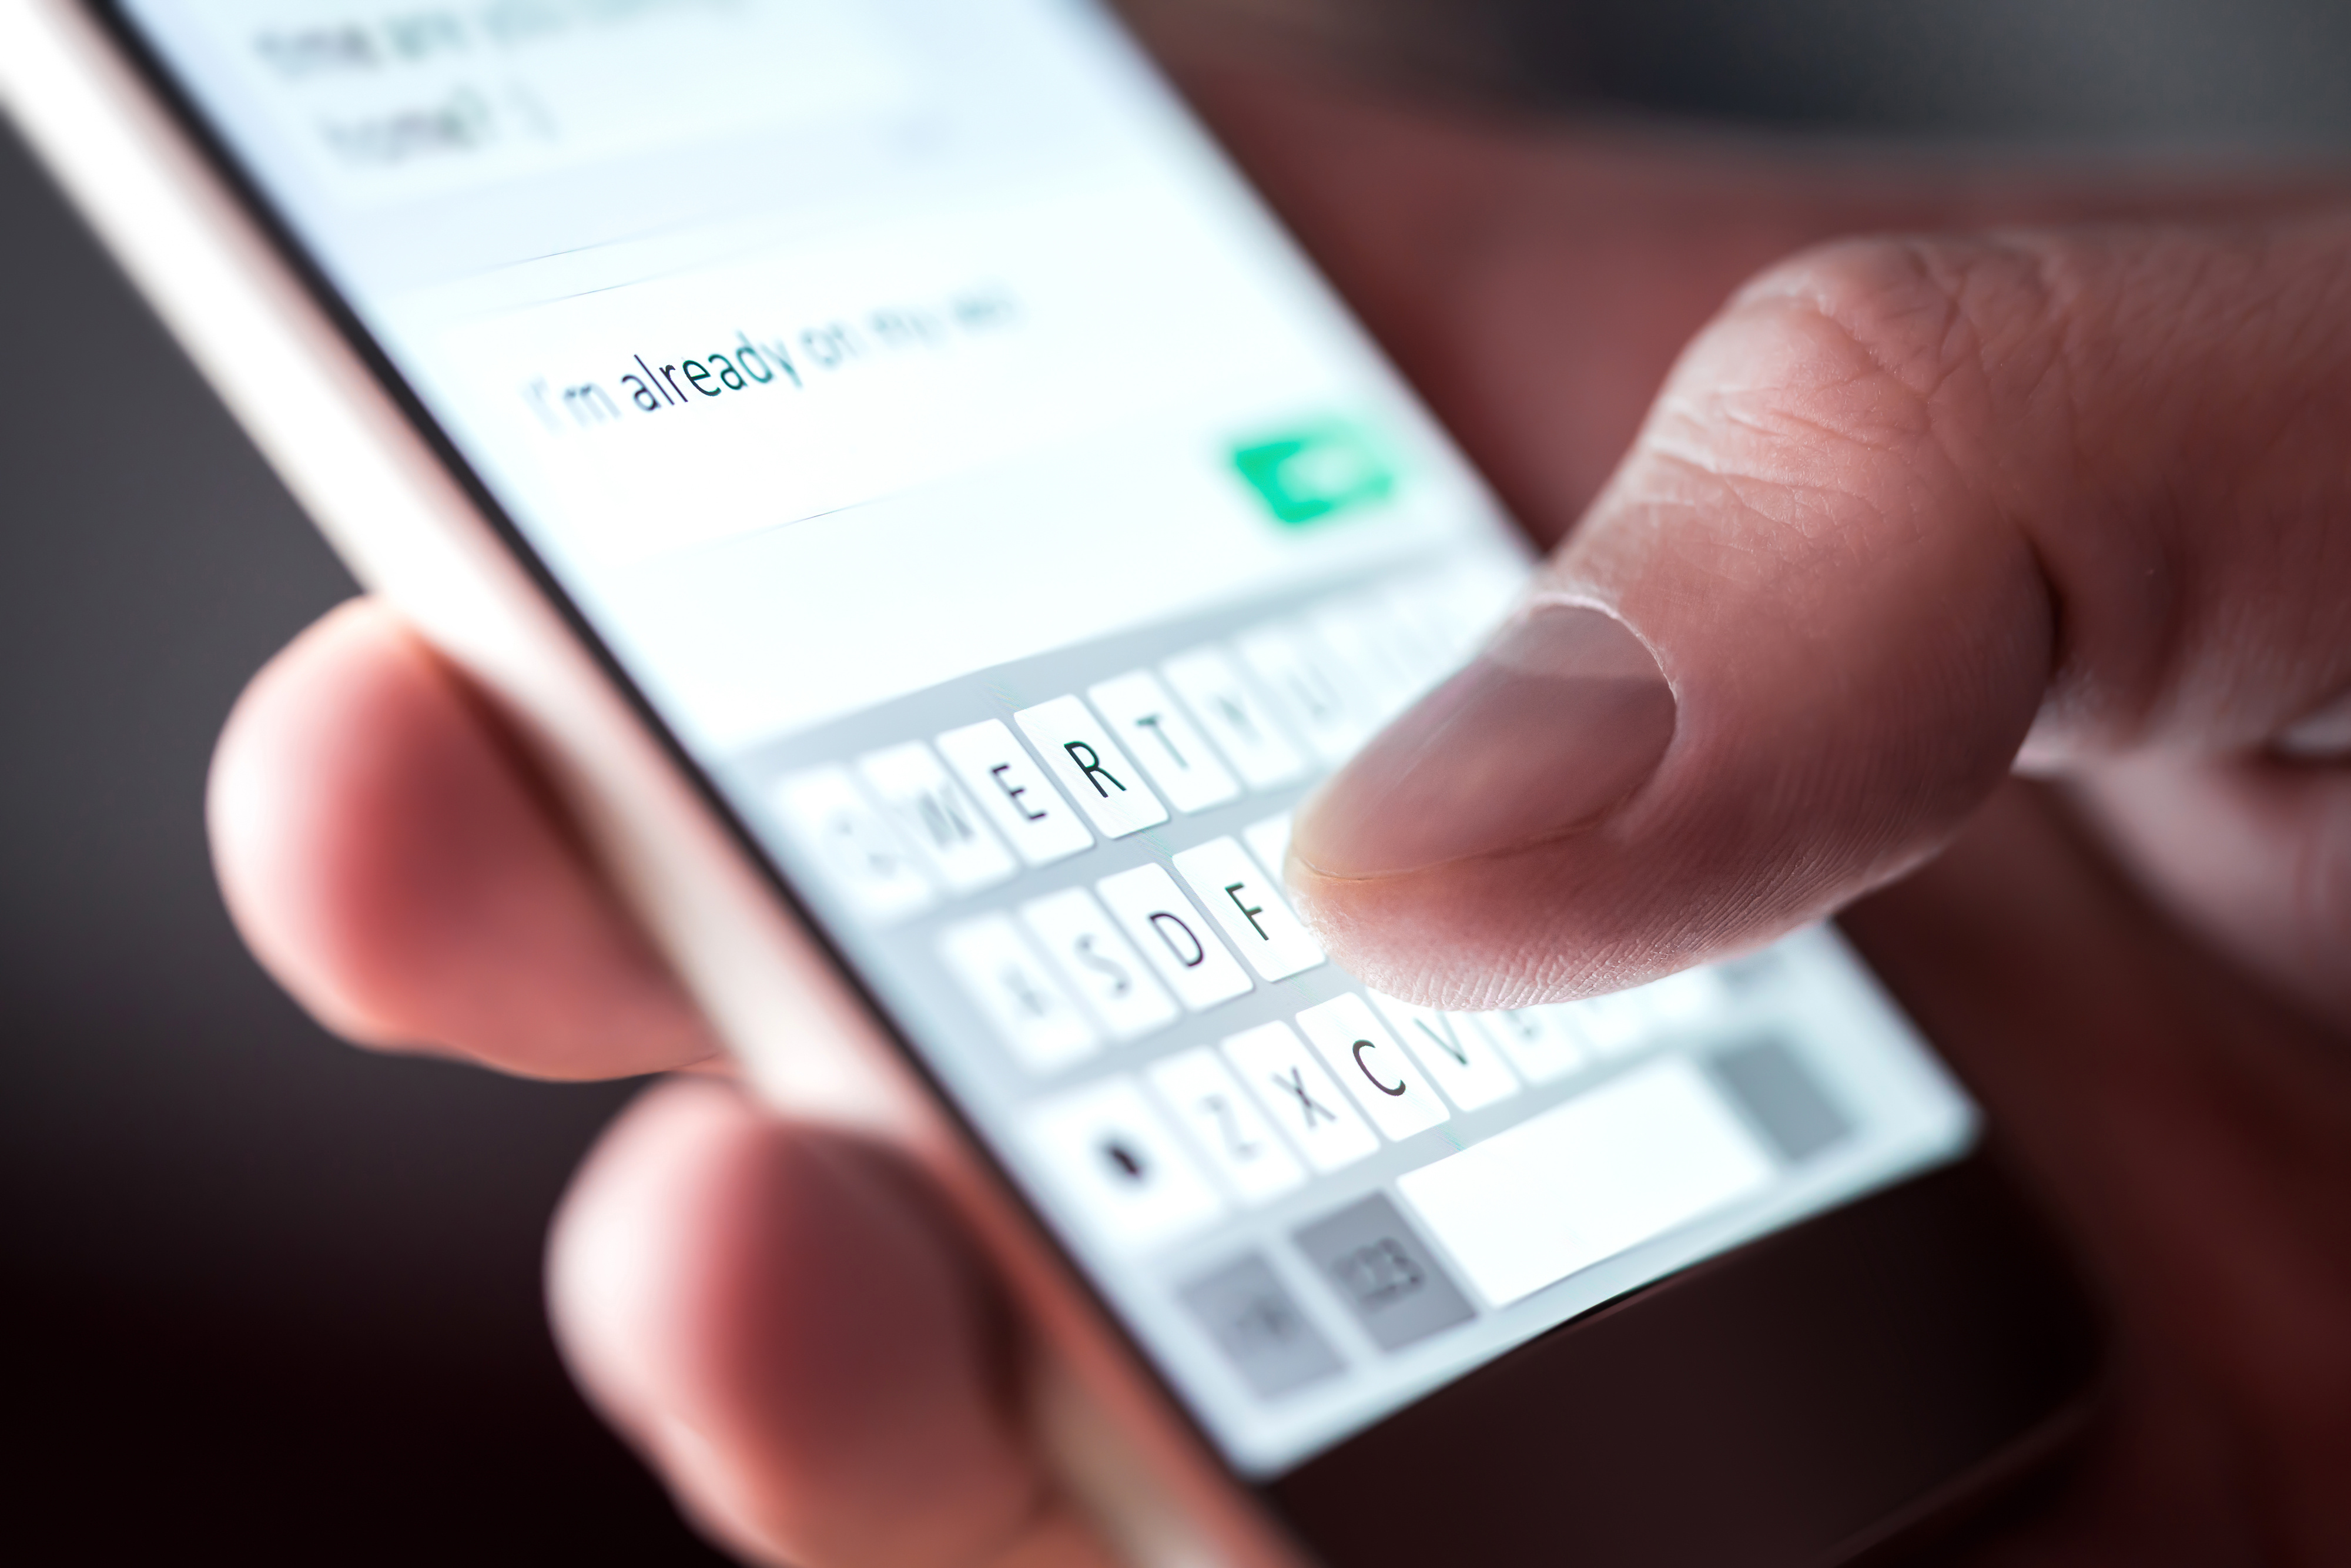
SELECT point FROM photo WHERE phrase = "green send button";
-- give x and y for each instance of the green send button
(1316, 471)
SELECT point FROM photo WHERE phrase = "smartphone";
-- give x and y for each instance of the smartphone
(933, 526)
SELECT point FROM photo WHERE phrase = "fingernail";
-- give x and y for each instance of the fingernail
(1562, 717)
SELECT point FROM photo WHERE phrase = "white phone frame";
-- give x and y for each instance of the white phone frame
(407, 528)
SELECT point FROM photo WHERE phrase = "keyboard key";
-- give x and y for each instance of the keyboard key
(1299, 1097)
(1426, 650)
(1309, 689)
(1018, 995)
(1632, 1159)
(1448, 643)
(1688, 998)
(862, 858)
(1098, 965)
(1109, 1154)
(1079, 749)
(1384, 1272)
(1244, 902)
(932, 810)
(1157, 918)
(1366, 1057)
(1467, 604)
(1453, 1052)
(1220, 697)
(1543, 1042)
(1249, 1314)
(1613, 1025)
(1769, 1081)
(1270, 841)
(1226, 1124)
(1362, 633)
(1160, 735)
(1014, 792)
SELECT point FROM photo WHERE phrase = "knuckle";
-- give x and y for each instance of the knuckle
(1796, 416)
(1903, 326)
(1889, 296)
(1846, 387)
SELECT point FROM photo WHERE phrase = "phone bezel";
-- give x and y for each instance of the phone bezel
(258, 207)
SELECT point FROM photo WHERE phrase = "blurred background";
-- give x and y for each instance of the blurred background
(274, 1298)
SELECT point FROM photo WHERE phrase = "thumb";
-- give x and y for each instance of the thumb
(1901, 505)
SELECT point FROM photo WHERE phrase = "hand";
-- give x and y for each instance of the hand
(1901, 505)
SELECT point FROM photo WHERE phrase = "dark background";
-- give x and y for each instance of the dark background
(266, 1296)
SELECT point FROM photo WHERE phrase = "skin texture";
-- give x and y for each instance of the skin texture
(1900, 503)
(2058, 466)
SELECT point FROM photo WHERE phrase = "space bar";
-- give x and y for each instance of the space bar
(1631, 1160)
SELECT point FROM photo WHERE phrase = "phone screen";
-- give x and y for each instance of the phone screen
(1011, 526)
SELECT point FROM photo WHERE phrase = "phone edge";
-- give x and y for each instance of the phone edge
(407, 528)
(398, 518)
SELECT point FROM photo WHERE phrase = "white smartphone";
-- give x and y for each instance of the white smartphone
(935, 526)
